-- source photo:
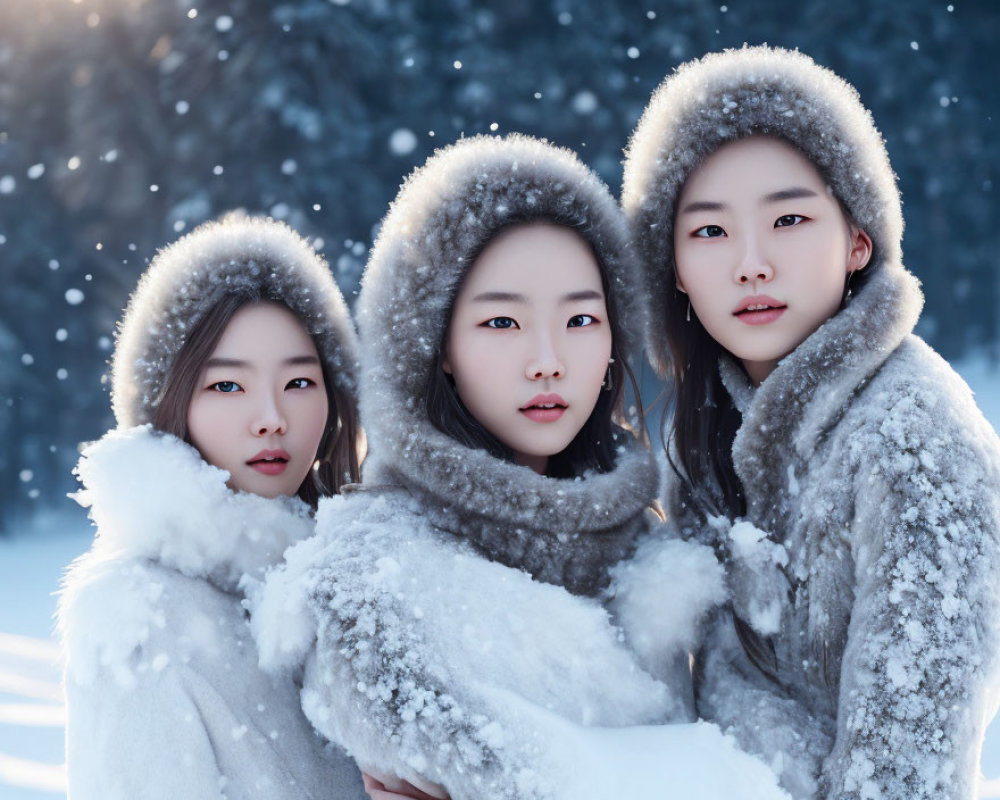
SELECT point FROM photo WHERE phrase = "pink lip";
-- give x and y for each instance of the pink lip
(270, 462)
(533, 411)
(774, 309)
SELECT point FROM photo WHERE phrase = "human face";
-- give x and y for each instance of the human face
(260, 407)
(529, 341)
(763, 250)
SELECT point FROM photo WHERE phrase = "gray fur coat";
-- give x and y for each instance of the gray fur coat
(876, 481)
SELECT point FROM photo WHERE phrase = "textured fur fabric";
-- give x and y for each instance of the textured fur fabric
(258, 257)
(865, 455)
(728, 96)
(164, 695)
(561, 531)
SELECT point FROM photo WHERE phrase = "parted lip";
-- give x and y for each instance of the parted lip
(269, 455)
(544, 401)
(757, 302)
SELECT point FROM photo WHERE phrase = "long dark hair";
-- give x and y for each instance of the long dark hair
(339, 454)
(705, 421)
(595, 446)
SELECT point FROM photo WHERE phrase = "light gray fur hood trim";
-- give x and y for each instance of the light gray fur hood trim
(734, 94)
(443, 215)
(235, 255)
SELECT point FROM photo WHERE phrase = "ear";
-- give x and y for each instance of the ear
(679, 286)
(445, 364)
(861, 250)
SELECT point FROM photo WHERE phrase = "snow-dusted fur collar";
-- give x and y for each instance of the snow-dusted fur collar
(237, 255)
(558, 530)
(153, 497)
(812, 387)
(728, 96)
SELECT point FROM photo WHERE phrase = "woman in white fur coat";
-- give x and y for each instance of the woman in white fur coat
(233, 387)
(837, 463)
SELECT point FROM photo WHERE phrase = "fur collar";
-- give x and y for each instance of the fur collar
(153, 497)
(562, 531)
(807, 394)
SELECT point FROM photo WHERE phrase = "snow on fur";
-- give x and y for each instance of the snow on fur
(249, 256)
(436, 664)
(660, 596)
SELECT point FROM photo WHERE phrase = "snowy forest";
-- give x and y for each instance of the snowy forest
(125, 123)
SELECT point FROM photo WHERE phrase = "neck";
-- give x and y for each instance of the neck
(537, 464)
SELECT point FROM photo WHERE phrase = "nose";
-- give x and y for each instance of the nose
(544, 362)
(269, 418)
(754, 265)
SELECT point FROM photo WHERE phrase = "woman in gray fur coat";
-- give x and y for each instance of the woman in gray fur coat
(233, 375)
(447, 610)
(835, 462)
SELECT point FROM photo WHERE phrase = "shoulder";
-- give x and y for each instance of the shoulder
(126, 616)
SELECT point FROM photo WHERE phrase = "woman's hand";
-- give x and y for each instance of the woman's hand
(401, 790)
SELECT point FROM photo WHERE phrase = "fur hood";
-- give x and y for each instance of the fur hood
(559, 530)
(237, 255)
(153, 497)
(731, 95)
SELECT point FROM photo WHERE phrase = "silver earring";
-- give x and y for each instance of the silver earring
(689, 310)
(850, 275)
(608, 383)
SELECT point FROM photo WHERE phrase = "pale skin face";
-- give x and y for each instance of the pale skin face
(260, 408)
(529, 341)
(763, 250)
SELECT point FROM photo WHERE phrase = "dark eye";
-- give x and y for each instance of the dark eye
(500, 323)
(709, 232)
(788, 220)
(580, 321)
(226, 387)
(300, 383)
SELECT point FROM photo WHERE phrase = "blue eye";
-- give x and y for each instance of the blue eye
(300, 383)
(226, 387)
(709, 232)
(500, 323)
(788, 220)
(581, 320)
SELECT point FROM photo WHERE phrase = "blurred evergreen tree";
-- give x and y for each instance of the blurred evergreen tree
(124, 123)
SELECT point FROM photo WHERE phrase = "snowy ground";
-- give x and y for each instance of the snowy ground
(31, 711)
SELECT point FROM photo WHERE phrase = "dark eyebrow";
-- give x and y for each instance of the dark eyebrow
(702, 205)
(226, 362)
(237, 363)
(794, 193)
(585, 294)
(509, 297)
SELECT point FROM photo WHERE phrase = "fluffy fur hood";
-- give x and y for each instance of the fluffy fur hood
(731, 95)
(444, 214)
(256, 257)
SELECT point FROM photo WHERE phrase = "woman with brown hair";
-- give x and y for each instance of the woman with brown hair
(233, 387)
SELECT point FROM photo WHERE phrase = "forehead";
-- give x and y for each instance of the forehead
(534, 258)
(758, 164)
(264, 328)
